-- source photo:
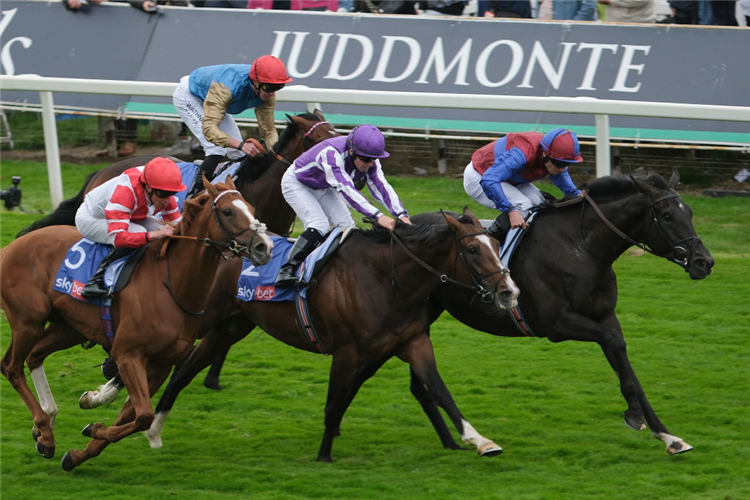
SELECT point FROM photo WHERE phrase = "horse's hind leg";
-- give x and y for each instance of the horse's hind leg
(212, 377)
(420, 355)
(345, 379)
(23, 338)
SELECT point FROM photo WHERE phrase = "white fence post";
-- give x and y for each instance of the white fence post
(51, 148)
(603, 164)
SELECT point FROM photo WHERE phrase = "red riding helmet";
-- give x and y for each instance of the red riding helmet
(269, 69)
(162, 173)
(562, 144)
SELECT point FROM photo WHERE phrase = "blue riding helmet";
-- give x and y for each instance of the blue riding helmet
(367, 140)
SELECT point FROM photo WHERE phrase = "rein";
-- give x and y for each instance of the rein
(486, 295)
(675, 245)
(231, 246)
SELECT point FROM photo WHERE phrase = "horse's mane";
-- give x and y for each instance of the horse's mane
(430, 234)
(190, 210)
(616, 186)
(253, 166)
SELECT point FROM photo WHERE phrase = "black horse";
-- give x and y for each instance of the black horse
(563, 267)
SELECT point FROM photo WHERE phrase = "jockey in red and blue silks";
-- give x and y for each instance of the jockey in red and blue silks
(500, 174)
(320, 187)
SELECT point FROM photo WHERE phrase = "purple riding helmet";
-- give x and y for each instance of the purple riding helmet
(367, 140)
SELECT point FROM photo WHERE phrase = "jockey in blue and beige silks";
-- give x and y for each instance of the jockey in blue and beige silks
(500, 174)
(207, 98)
(123, 212)
(319, 186)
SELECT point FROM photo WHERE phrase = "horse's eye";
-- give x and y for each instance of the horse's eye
(667, 216)
(473, 250)
(227, 212)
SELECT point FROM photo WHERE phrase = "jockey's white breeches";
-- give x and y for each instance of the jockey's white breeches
(190, 109)
(523, 196)
(319, 209)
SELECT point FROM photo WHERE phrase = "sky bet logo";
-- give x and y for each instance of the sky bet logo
(260, 293)
(72, 288)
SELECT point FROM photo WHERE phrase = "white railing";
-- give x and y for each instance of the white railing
(601, 109)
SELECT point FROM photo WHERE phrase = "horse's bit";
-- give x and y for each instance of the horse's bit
(676, 247)
(485, 294)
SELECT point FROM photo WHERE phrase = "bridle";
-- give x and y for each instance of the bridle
(230, 245)
(676, 246)
(485, 294)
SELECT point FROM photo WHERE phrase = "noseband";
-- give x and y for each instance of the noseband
(676, 246)
(485, 294)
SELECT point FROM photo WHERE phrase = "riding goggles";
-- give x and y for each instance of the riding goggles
(270, 87)
(365, 159)
(160, 193)
(559, 163)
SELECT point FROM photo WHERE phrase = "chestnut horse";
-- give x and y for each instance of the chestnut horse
(569, 289)
(154, 327)
(368, 304)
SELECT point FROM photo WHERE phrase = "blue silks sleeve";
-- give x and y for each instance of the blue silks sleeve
(505, 166)
(565, 183)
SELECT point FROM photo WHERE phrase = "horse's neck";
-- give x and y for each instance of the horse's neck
(192, 266)
(625, 215)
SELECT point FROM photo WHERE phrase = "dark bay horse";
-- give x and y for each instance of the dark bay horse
(154, 327)
(563, 267)
(368, 304)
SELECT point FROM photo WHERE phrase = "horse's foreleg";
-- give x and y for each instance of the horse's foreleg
(345, 379)
(429, 406)
(198, 358)
(106, 394)
(420, 355)
(608, 335)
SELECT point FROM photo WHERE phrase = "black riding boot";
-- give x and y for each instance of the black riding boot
(499, 227)
(206, 170)
(305, 244)
(95, 288)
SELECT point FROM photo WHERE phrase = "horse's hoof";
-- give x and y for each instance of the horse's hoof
(88, 431)
(489, 449)
(83, 401)
(677, 447)
(212, 384)
(67, 462)
(635, 422)
(325, 459)
(44, 450)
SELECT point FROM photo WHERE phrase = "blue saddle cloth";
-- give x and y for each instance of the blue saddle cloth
(188, 171)
(257, 282)
(80, 264)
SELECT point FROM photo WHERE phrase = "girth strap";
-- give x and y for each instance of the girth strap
(308, 330)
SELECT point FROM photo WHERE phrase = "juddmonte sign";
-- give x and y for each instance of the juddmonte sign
(396, 53)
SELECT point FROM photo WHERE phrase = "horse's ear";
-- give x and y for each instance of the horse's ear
(675, 179)
(230, 182)
(639, 184)
(468, 213)
(210, 188)
(452, 222)
(319, 114)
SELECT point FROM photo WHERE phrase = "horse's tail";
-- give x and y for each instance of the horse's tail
(63, 215)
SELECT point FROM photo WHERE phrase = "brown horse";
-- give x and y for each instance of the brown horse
(368, 304)
(154, 327)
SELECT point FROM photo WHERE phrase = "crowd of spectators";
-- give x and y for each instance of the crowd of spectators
(697, 12)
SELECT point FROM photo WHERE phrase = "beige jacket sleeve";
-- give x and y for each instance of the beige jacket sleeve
(266, 122)
(218, 99)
